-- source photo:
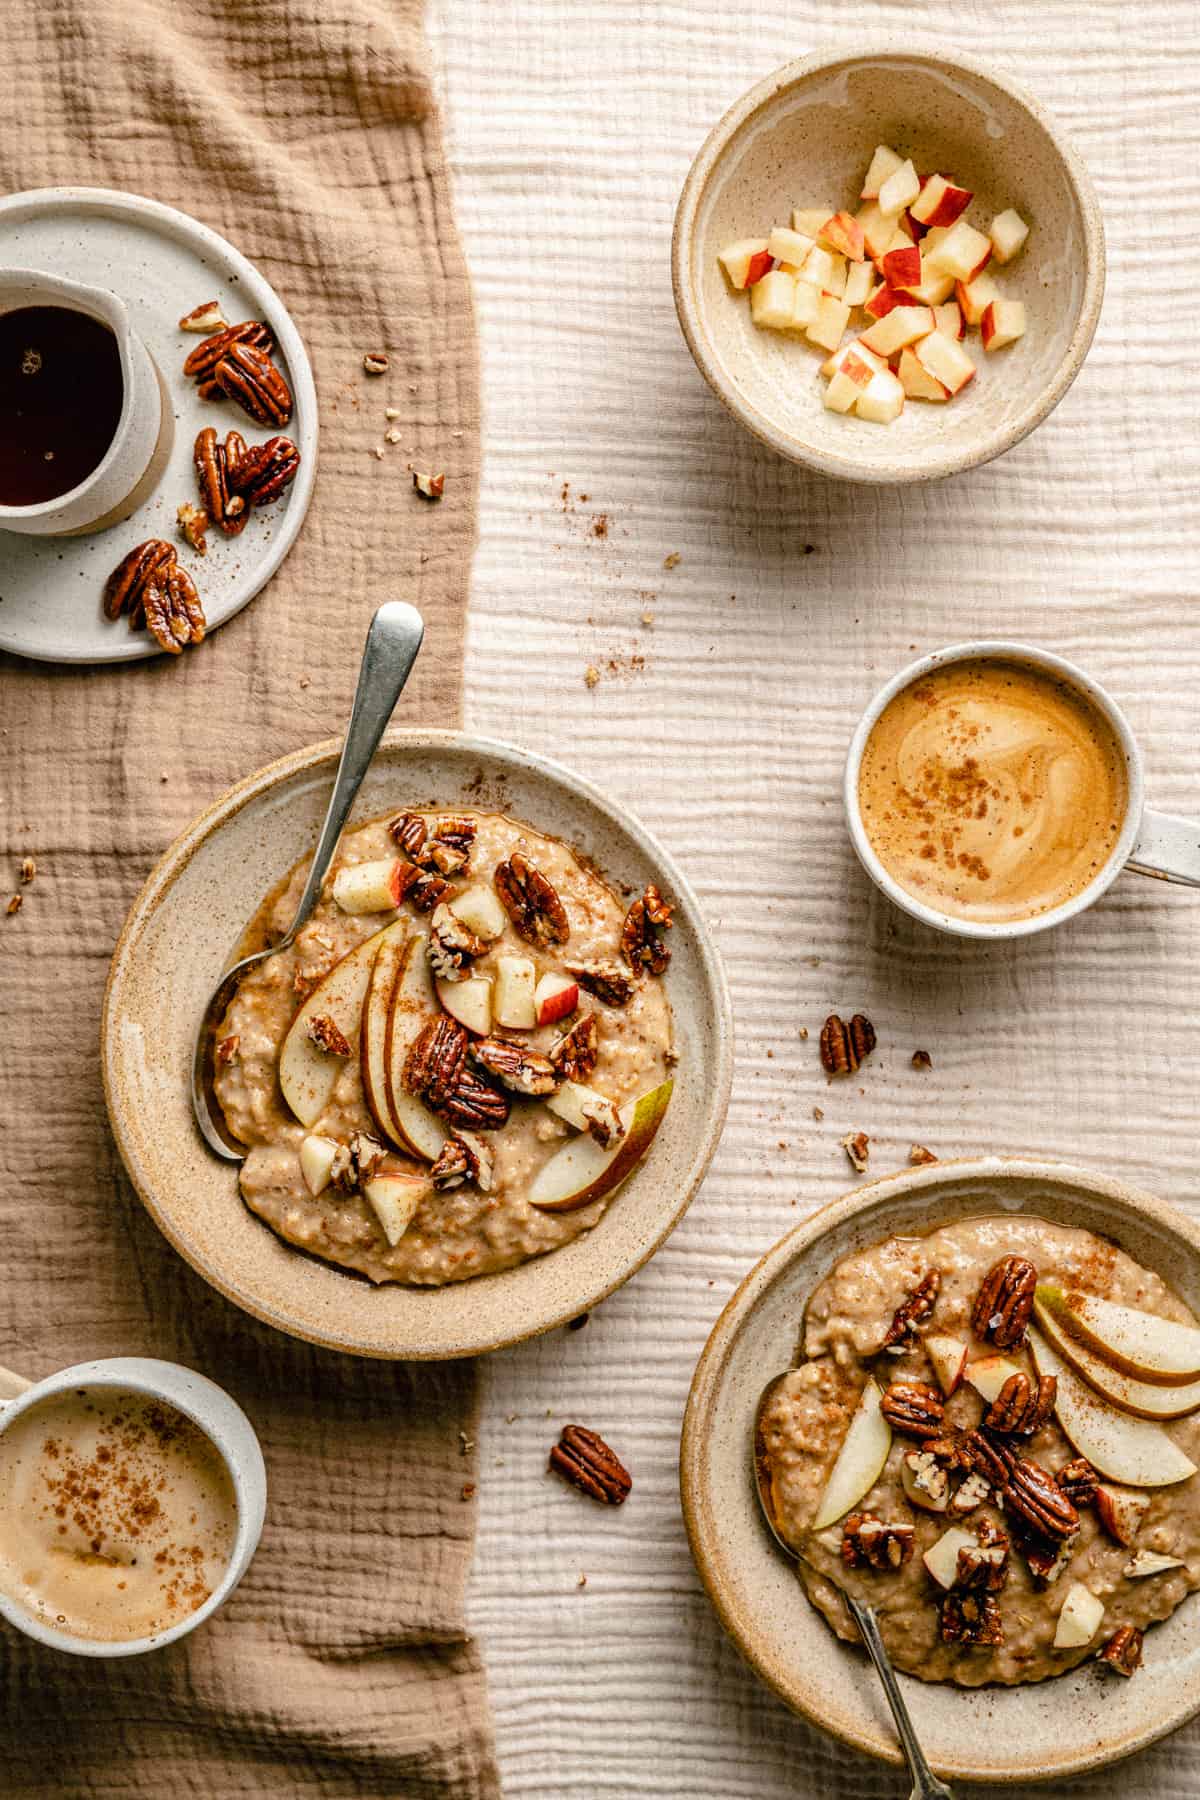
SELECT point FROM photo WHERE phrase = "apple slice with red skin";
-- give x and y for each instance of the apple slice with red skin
(582, 1171)
(369, 886)
(949, 1358)
(1121, 1511)
(555, 997)
(307, 1074)
(901, 268)
(414, 1004)
(940, 202)
(859, 1461)
(844, 234)
(1079, 1620)
(469, 1001)
(394, 1199)
(377, 1007)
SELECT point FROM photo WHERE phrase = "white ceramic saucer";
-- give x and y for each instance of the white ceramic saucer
(162, 264)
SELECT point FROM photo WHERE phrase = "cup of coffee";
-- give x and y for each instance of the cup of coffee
(132, 1496)
(993, 790)
(85, 423)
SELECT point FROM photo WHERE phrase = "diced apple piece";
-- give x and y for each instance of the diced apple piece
(824, 269)
(745, 262)
(848, 383)
(941, 1559)
(788, 246)
(962, 252)
(808, 298)
(988, 1374)
(413, 1005)
(480, 910)
(883, 400)
(931, 290)
(899, 190)
(316, 1162)
(512, 1003)
(917, 383)
(940, 202)
(394, 1200)
(773, 300)
(1008, 233)
(376, 1012)
(902, 266)
(832, 364)
(583, 1170)
(859, 1461)
(949, 1358)
(885, 162)
(1137, 1452)
(844, 233)
(878, 232)
(554, 998)
(903, 325)
(808, 220)
(1002, 324)
(368, 887)
(945, 360)
(975, 297)
(949, 321)
(584, 1108)
(1079, 1620)
(308, 1074)
(1150, 1562)
(469, 1001)
(884, 300)
(1149, 1400)
(859, 280)
(1121, 1510)
(832, 317)
(1141, 1344)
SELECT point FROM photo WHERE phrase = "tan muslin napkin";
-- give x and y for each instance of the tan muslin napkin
(307, 134)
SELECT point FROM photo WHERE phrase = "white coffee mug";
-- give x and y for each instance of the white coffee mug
(222, 1421)
(134, 461)
(1152, 843)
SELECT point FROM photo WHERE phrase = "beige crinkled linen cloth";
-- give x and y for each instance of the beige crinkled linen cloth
(306, 132)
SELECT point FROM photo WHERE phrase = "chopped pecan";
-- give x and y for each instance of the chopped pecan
(925, 1481)
(475, 1104)
(857, 1146)
(28, 870)
(914, 1311)
(425, 891)
(1004, 1303)
(14, 906)
(1123, 1651)
(193, 522)
(430, 487)
(248, 376)
(606, 980)
(1078, 1481)
(452, 945)
(368, 1156)
(642, 943)
(228, 1048)
(327, 1036)
(376, 362)
(914, 1408)
(524, 1071)
(983, 1567)
(456, 831)
(1047, 1561)
(463, 1157)
(970, 1493)
(585, 1460)
(342, 1172)
(844, 1048)
(868, 1541)
(531, 902)
(921, 1059)
(574, 1056)
(205, 318)
(919, 1156)
(409, 832)
(202, 362)
(955, 1451)
(971, 1618)
(260, 474)
(1022, 1406)
(227, 510)
(1033, 1495)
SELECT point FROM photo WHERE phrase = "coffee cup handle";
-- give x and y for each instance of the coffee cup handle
(12, 1385)
(1168, 848)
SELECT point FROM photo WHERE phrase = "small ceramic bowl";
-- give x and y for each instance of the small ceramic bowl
(1018, 1735)
(804, 137)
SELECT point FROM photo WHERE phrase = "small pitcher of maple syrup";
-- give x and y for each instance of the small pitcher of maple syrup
(85, 423)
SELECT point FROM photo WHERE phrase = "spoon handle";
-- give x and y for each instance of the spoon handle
(926, 1785)
(388, 656)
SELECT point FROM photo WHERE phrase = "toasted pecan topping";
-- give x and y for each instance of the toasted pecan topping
(584, 1459)
(202, 361)
(260, 474)
(914, 1311)
(971, 1619)
(1033, 1496)
(436, 1069)
(228, 1048)
(606, 980)
(409, 832)
(246, 374)
(424, 892)
(159, 596)
(574, 1056)
(1022, 1406)
(642, 943)
(1123, 1651)
(464, 1157)
(971, 1492)
(453, 946)
(1004, 1304)
(983, 1566)
(522, 1070)
(914, 1408)
(531, 901)
(1078, 1481)
(857, 1146)
(327, 1036)
(869, 1542)
(845, 1047)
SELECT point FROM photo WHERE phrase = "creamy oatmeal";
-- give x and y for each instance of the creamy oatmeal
(464, 1052)
(1064, 1557)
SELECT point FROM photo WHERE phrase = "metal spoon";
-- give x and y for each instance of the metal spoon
(926, 1785)
(388, 656)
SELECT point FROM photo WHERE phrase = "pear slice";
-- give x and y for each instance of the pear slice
(1150, 1562)
(1137, 1452)
(1139, 1344)
(1079, 1619)
(859, 1461)
(377, 1006)
(583, 1171)
(394, 1200)
(1149, 1400)
(413, 1005)
(988, 1374)
(308, 1075)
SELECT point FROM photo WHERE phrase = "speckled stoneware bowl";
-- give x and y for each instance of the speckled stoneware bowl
(805, 136)
(1020, 1735)
(181, 933)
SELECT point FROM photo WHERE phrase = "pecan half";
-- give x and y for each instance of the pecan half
(531, 902)
(158, 595)
(202, 362)
(524, 1071)
(436, 1060)
(124, 588)
(1078, 1481)
(444, 851)
(452, 945)
(995, 1462)
(844, 1048)
(1022, 1407)
(606, 980)
(914, 1311)
(326, 1035)
(1033, 1495)
(409, 832)
(642, 943)
(869, 1542)
(248, 376)
(476, 1104)
(574, 1056)
(1123, 1651)
(914, 1408)
(1004, 1303)
(971, 1618)
(584, 1459)
(463, 1157)
(227, 510)
(456, 831)
(260, 474)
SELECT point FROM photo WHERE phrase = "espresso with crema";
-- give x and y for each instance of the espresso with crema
(117, 1514)
(992, 791)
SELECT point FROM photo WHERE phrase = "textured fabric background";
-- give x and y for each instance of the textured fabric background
(305, 131)
(571, 126)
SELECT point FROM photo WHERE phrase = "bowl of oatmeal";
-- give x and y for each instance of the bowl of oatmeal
(476, 1091)
(964, 1434)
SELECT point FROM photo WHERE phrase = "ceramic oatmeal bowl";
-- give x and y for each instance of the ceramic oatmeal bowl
(1081, 1719)
(180, 934)
(804, 137)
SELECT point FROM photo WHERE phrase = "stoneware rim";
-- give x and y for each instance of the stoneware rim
(865, 1212)
(862, 466)
(441, 1323)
